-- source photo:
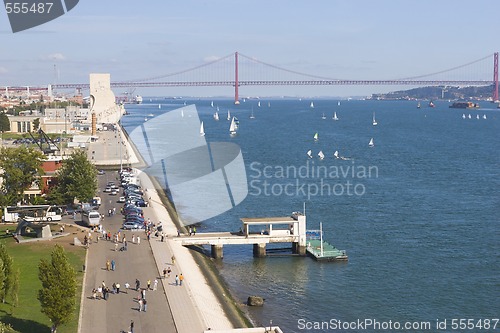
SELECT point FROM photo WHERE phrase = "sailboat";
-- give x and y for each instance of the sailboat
(323, 116)
(335, 116)
(418, 105)
(316, 136)
(321, 155)
(268, 104)
(374, 122)
(232, 127)
(202, 129)
(251, 115)
(484, 116)
(477, 116)
(463, 116)
(312, 105)
(258, 104)
(212, 104)
(309, 153)
(228, 115)
(371, 143)
(159, 106)
(470, 116)
(216, 115)
(338, 103)
(336, 154)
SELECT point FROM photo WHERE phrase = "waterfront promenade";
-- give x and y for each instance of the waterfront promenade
(190, 308)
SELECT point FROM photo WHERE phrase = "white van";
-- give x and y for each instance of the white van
(91, 218)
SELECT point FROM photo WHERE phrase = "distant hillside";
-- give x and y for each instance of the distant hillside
(440, 92)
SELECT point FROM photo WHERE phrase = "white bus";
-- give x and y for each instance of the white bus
(91, 218)
(32, 213)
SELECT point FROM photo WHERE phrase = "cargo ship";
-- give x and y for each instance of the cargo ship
(464, 105)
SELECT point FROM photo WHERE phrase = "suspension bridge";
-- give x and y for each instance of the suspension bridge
(237, 70)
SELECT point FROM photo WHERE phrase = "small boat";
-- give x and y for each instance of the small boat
(338, 103)
(268, 104)
(321, 155)
(309, 153)
(258, 104)
(477, 116)
(212, 104)
(334, 117)
(418, 105)
(431, 104)
(145, 119)
(470, 117)
(228, 115)
(371, 143)
(323, 116)
(159, 106)
(216, 115)
(312, 105)
(150, 115)
(463, 116)
(374, 122)
(336, 154)
(484, 116)
(202, 129)
(232, 127)
(251, 115)
(316, 136)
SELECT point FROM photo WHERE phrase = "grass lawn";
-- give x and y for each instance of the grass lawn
(27, 316)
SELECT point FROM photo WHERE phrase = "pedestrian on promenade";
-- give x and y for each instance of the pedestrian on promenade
(164, 273)
(99, 292)
(173, 259)
(143, 293)
(137, 284)
(113, 265)
(127, 287)
(194, 231)
(131, 326)
(177, 280)
(141, 302)
(145, 305)
(181, 278)
(138, 240)
(162, 236)
(169, 270)
(116, 247)
(178, 233)
(133, 239)
(117, 288)
(155, 285)
(190, 231)
(108, 265)
(149, 284)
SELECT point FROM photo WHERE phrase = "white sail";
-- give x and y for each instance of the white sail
(484, 116)
(216, 115)
(335, 116)
(338, 103)
(232, 127)
(323, 116)
(374, 122)
(321, 155)
(312, 105)
(202, 130)
(159, 106)
(212, 104)
(309, 153)
(251, 115)
(463, 116)
(258, 104)
(477, 116)
(316, 136)
(371, 143)
(228, 115)
(336, 154)
(470, 116)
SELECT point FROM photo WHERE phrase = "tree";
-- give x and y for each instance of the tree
(7, 273)
(36, 123)
(4, 123)
(6, 328)
(76, 179)
(21, 167)
(58, 294)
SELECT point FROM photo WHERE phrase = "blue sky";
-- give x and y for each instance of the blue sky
(351, 39)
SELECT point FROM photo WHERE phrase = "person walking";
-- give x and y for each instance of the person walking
(108, 265)
(155, 285)
(181, 278)
(173, 259)
(177, 280)
(164, 273)
(127, 286)
(149, 284)
(137, 284)
(138, 240)
(145, 305)
(117, 288)
(113, 264)
(169, 270)
(141, 303)
(194, 231)
(143, 293)
(131, 326)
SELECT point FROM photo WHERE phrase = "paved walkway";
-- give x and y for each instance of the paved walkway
(190, 308)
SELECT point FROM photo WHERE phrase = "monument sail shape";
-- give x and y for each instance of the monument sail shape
(102, 99)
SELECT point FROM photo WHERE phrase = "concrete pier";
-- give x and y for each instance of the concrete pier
(259, 250)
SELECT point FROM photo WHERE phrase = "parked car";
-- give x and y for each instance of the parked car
(121, 199)
(132, 226)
